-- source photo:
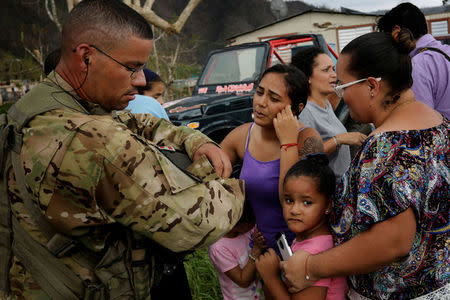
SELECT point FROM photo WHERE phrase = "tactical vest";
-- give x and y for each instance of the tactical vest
(126, 270)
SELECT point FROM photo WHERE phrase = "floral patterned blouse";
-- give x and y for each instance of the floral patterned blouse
(391, 172)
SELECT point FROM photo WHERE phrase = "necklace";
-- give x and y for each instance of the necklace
(401, 104)
(394, 109)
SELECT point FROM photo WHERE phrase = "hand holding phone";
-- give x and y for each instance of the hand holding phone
(283, 246)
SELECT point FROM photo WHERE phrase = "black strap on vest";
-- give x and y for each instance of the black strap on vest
(58, 281)
(5, 208)
(435, 50)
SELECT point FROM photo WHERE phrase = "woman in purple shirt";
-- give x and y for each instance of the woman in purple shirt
(430, 59)
(273, 143)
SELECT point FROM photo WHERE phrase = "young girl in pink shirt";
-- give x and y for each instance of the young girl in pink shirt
(234, 259)
(309, 187)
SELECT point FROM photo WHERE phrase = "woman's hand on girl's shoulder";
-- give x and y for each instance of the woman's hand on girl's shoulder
(286, 126)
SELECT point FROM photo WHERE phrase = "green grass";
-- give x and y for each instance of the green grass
(4, 108)
(202, 277)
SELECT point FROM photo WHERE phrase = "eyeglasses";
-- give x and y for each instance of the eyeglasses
(133, 71)
(339, 89)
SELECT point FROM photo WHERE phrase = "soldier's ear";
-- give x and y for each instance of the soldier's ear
(82, 52)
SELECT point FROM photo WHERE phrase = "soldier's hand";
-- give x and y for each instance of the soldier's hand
(218, 158)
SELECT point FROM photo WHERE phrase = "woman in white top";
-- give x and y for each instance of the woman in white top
(318, 112)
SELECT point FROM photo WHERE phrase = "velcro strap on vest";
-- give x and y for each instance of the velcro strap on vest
(138, 255)
(55, 278)
(59, 245)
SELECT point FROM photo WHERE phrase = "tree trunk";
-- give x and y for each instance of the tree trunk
(146, 11)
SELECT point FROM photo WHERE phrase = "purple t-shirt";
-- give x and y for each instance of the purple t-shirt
(431, 75)
(261, 189)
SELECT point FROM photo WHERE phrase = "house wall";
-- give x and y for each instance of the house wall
(327, 24)
(445, 15)
(439, 17)
(311, 22)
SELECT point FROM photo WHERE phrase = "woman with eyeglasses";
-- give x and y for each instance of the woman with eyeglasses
(318, 112)
(390, 219)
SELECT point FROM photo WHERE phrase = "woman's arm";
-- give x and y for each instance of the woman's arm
(232, 143)
(308, 141)
(286, 127)
(384, 243)
(349, 138)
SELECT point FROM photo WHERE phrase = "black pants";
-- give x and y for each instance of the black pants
(174, 286)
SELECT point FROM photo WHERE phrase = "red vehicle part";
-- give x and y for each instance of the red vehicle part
(274, 45)
(282, 42)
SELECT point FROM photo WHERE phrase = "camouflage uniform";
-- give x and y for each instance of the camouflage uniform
(90, 171)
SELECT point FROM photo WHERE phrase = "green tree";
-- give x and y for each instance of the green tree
(172, 59)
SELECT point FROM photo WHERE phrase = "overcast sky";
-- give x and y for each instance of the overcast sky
(372, 5)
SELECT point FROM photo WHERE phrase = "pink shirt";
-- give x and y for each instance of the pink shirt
(337, 286)
(228, 253)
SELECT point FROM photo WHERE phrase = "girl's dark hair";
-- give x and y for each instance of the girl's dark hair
(316, 167)
(379, 54)
(248, 216)
(296, 84)
(150, 78)
(304, 59)
(51, 61)
(405, 15)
